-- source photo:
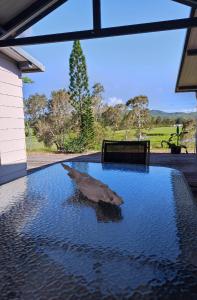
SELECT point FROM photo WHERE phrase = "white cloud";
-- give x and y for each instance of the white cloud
(112, 101)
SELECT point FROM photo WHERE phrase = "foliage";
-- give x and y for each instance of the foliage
(54, 126)
(44, 132)
(155, 135)
(174, 141)
(127, 123)
(74, 145)
(140, 114)
(112, 117)
(78, 120)
(100, 135)
(35, 107)
(79, 93)
(33, 145)
(189, 129)
(158, 121)
(27, 129)
(97, 100)
(27, 80)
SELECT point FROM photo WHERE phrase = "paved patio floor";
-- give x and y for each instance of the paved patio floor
(187, 163)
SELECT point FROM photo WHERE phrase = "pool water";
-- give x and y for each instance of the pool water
(54, 244)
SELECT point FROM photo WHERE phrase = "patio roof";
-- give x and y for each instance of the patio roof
(38, 9)
(17, 16)
(187, 77)
(192, 3)
(25, 62)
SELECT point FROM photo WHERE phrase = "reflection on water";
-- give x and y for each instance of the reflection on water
(105, 212)
(56, 245)
(126, 167)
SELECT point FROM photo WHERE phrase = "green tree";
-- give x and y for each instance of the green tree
(140, 114)
(168, 121)
(111, 117)
(127, 122)
(27, 80)
(158, 121)
(97, 100)
(180, 120)
(153, 120)
(55, 126)
(79, 93)
(35, 108)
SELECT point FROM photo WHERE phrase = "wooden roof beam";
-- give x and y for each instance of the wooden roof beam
(96, 14)
(102, 33)
(192, 52)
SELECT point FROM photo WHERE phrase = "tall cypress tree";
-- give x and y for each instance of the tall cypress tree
(79, 92)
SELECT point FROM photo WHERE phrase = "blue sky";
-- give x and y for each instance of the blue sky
(127, 66)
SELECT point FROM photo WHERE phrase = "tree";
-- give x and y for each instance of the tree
(180, 120)
(35, 108)
(79, 92)
(158, 121)
(140, 114)
(127, 122)
(189, 131)
(168, 121)
(112, 117)
(54, 127)
(27, 80)
(97, 100)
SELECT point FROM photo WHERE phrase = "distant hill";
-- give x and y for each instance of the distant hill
(173, 115)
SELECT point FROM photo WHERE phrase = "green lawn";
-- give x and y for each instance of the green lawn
(155, 135)
(33, 145)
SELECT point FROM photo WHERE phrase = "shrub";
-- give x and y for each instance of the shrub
(75, 145)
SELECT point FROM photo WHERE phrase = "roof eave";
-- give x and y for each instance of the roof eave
(177, 89)
(29, 17)
(25, 62)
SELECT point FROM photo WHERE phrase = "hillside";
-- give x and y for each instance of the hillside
(173, 115)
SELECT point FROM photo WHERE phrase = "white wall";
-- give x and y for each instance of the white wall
(12, 135)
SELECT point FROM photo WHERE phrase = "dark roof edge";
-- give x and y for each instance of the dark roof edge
(29, 17)
(192, 13)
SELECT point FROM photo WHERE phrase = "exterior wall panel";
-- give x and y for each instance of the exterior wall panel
(13, 157)
(10, 89)
(11, 112)
(8, 146)
(13, 101)
(12, 135)
(9, 123)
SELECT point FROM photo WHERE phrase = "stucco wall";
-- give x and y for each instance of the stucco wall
(12, 136)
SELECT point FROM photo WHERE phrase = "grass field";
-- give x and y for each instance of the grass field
(155, 135)
(32, 145)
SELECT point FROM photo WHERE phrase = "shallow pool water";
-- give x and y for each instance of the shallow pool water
(54, 244)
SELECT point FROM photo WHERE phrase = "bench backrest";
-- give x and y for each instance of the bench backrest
(134, 152)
